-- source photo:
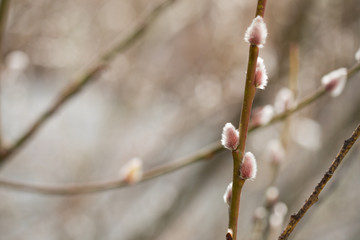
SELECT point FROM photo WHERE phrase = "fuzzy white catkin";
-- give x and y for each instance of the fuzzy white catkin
(335, 81)
(248, 168)
(257, 32)
(262, 115)
(261, 78)
(228, 194)
(230, 137)
(284, 100)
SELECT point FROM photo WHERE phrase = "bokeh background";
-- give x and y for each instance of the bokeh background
(167, 96)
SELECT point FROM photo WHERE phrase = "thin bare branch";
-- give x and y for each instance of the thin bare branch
(81, 82)
(238, 154)
(205, 153)
(314, 197)
(202, 154)
(307, 100)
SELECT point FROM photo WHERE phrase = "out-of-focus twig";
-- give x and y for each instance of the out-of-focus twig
(263, 233)
(293, 86)
(205, 153)
(83, 80)
(314, 197)
(307, 100)
(4, 10)
(294, 68)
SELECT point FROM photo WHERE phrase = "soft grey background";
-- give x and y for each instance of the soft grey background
(166, 97)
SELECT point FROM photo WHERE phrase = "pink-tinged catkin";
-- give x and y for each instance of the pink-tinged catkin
(275, 152)
(284, 100)
(260, 213)
(334, 82)
(262, 115)
(228, 194)
(248, 167)
(272, 195)
(132, 171)
(261, 78)
(257, 32)
(230, 137)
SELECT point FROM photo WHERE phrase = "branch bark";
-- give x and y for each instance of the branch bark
(314, 197)
(238, 154)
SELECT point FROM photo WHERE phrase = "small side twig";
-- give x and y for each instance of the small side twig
(321, 91)
(202, 154)
(86, 78)
(314, 197)
(205, 153)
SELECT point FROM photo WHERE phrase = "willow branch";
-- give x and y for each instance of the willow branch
(306, 101)
(86, 78)
(238, 154)
(314, 197)
(205, 153)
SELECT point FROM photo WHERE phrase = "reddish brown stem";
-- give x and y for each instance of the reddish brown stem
(249, 94)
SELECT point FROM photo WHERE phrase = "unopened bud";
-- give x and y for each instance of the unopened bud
(230, 137)
(284, 100)
(132, 171)
(228, 194)
(17, 60)
(276, 221)
(335, 81)
(260, 213)
(275, 226)
(248, 167)
(280, 208)
(275, 152)
(261, 78)
(272, 195)
(257, 32)
(262, 115)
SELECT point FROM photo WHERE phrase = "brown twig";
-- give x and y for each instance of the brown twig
(205, 153)
(314, 197)
(86, 78)
(307, 100)
(238, 154)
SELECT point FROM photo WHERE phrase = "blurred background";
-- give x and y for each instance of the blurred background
(167, 96)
